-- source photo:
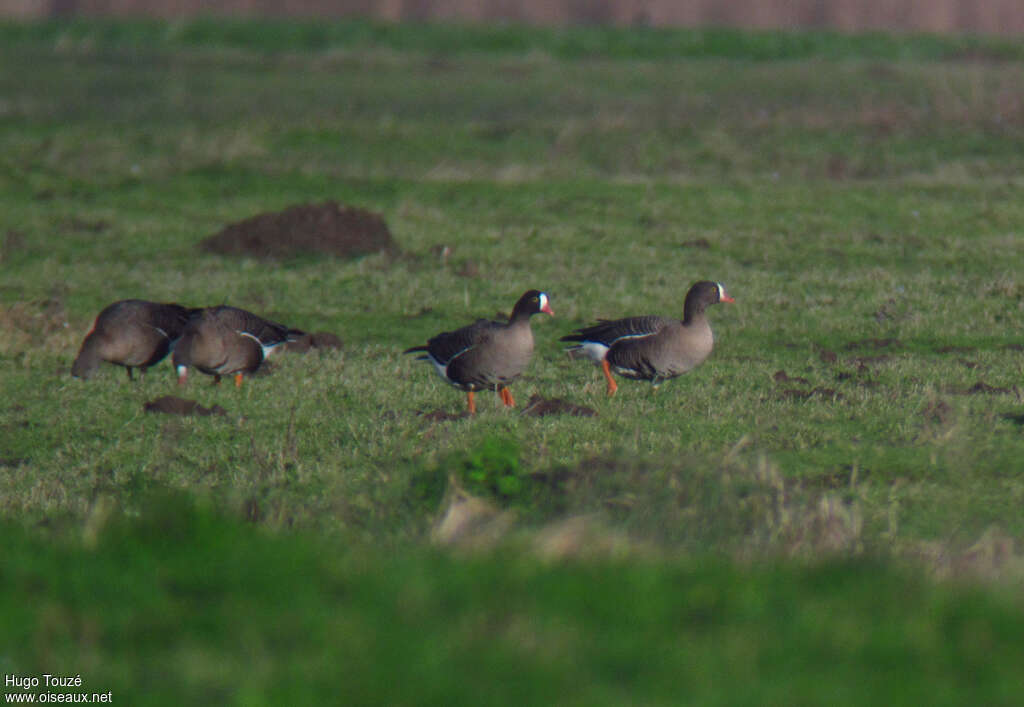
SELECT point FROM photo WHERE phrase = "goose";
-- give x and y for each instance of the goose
(224, 341)
(132, 333)
(652, 347)
(486, 355)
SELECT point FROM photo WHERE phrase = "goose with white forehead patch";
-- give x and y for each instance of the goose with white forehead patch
(224, 341)
(653, 348)
(486, 355)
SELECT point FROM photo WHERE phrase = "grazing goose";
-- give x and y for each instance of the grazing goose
(221, 341)
(486, 355)
(132, 333)
(653, 348)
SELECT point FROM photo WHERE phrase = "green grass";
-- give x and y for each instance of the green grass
(845, 189)
(182, 605)
(270, 36)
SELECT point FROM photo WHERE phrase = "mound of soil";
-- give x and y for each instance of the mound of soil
(540, 407)
(173, 405)
(327, 229)
(317, 340)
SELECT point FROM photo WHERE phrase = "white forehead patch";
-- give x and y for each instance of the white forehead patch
(543, 300)
(721, 291)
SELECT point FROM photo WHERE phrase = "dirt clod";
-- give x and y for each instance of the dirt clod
(173, 405)
(328, 229)
(540, 407)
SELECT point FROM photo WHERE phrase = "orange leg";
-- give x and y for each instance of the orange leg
(612, 387)
(238, 380)
(506, 397)
(471, 401)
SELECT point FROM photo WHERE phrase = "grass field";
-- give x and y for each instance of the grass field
(845, 533)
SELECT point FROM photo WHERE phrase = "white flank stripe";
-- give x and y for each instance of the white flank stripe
(632, 336)
(267, 350)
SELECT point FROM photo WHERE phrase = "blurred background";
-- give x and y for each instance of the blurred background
(968, 16)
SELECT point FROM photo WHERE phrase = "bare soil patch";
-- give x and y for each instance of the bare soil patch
(173, 405)
(781, 376)
(701, 243)
(316, 340)
(541, 407)
(82, 225)
(980, 388)
(863, 362)
(874, 344)
(469, 269)
(836, 479)
(1014, 417)
(938, 412)
(821, 392)
(14, 241)
(441, 415)
(305, 229)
